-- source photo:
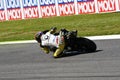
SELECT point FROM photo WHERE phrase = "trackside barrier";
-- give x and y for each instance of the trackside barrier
(25, 9)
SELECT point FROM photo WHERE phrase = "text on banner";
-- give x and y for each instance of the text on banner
(106, 5)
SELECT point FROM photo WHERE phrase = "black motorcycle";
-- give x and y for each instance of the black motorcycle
(75, 44)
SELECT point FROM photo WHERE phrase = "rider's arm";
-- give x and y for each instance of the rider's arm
(53, 30)
(45, 48)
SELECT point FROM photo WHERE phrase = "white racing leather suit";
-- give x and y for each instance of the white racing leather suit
(49, 39)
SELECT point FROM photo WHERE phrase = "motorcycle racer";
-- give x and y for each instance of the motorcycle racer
(47, 39)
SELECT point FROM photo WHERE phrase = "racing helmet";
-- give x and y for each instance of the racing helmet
(38, 36)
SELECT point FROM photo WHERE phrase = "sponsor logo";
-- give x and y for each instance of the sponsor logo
(86, 6)
(47, 2)
(65, 1)
(2, 12)
(31, 12)
(48, 8)
(13, 9)
(2, 15)
(29, 3)
(12, 4)
(66, 7)
(1, 5)
(106, 5)
(48, 11)
(14, 14)
(30, 8)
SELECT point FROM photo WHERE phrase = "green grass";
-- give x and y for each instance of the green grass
(86, 24)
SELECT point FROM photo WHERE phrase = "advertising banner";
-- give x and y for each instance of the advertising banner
(86, 6)
(25, 9)
(106, 5)
(119, 4)
(48, 8)
(66, 7)
(30, 8)
(2, 11)
(13, 9)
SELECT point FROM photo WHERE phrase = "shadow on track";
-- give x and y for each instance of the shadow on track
(77, 53)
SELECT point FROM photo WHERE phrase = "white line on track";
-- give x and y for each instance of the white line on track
(104, 37)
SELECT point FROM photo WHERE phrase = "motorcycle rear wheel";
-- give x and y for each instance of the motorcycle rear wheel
(86, 45)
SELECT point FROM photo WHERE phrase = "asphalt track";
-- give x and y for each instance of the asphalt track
(28, 62)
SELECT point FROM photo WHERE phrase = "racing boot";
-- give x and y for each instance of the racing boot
(46, 50)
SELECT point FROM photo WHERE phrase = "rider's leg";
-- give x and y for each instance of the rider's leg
(60, 46)
(59, 50)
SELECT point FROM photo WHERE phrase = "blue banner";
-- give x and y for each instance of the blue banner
(1, 5)
(29, 3)
(12, 4)
(65, 1)
(47, 2)
(84, 0)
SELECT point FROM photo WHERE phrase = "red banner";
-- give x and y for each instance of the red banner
(2, 15)
(14, 14)
(47, 11)
(30, 12)
(86, 7)
(106, 5)
(119, 4)
(66, 9)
